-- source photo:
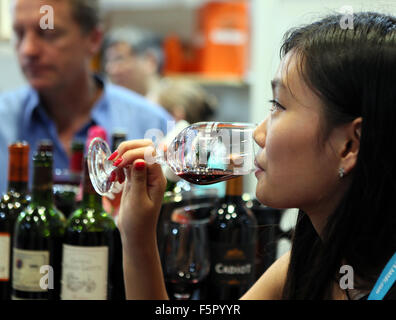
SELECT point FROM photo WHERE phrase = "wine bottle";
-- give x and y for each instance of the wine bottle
(11, 205)
(91, 263)
(117, 138)
(67, 183)
(76, 161)
(233, 239)
(95, 132)
(37, 245)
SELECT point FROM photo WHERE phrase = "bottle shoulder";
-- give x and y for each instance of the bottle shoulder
(90, 220)
(12, 203)
(36, 212)
(40, 221)
(232, 223)
(233, 212)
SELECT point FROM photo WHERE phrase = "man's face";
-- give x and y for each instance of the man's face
(54, 58)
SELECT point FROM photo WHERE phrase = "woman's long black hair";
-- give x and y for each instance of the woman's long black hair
(354, 73)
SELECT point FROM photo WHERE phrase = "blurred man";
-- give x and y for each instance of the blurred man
(64, 98)
(134, 59)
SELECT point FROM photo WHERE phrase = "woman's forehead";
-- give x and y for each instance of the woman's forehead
(290, 79)
(289, 73)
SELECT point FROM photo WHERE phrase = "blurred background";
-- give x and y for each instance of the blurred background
(230, 48)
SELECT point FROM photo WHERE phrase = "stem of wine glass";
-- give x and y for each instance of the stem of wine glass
(160, 159)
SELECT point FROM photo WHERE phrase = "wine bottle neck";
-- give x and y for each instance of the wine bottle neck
(234, 187)
(42, 192)
(233, 197)
(18, 186)
(18, 175)
(43, 196)
(91, 199)
(76, 161)
(234, 192)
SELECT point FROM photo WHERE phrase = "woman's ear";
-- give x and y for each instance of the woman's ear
(351, 145)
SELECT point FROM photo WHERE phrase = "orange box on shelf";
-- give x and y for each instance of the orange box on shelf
(174, 55)
(180, 57)
(223, 38)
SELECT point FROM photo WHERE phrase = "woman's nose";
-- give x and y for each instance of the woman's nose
(259, 135)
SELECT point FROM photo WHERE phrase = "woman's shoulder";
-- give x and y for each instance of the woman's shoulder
(270, 285)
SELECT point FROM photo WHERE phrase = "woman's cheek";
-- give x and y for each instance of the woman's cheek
(277, 187)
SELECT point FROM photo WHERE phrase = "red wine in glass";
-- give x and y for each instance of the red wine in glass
(207, 176)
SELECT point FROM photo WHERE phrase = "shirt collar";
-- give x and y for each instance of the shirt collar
(99, 114)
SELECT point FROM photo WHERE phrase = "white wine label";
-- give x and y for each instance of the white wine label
(84, 273)
(26, 270)
(4, 256)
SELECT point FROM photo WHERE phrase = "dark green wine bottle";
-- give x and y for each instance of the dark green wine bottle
(233, 241)
(67, 183)
(117, 138)
(92, 259)
(11, 205)
(37, 245)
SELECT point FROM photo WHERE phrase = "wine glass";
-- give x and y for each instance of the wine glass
(203, 153)
(185, 259)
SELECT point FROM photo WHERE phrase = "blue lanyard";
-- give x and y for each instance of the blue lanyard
(385, 281)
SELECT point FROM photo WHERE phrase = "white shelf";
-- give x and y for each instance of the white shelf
(224, 81)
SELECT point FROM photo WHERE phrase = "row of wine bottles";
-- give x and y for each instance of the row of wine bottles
(43, 255)
(47, 255)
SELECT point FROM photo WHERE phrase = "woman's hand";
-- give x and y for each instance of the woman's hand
(143, 192)
(141, 201)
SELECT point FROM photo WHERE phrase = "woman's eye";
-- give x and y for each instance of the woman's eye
(275, 105)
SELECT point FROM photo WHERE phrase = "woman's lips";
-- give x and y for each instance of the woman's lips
(259, 169)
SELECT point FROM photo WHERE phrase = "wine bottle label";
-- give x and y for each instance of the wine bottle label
(14, 297)
(231, 265)
(84, 273)
(26, 270)
(4, 256)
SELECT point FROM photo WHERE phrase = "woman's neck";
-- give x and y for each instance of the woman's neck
(320, 212)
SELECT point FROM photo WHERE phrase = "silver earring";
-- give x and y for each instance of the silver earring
(341, 172)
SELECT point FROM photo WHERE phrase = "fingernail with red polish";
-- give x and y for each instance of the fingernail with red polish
(140, 166)
(113, 156)
(118, 162)
(113, 176)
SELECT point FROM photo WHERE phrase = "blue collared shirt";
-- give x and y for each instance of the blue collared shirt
(22, 117)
